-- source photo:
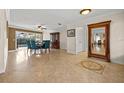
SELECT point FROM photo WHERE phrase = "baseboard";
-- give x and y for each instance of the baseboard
(117, 61)
(2, 71)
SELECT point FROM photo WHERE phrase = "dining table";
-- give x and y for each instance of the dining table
(39, 44)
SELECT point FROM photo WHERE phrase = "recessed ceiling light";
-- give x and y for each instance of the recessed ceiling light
(85, 11)
(59, 24)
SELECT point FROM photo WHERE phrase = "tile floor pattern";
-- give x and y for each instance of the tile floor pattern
(58, 67)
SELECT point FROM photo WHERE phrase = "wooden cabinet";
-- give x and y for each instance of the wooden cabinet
(55, 40)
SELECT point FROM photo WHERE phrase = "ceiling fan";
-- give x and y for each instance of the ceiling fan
(41, 28)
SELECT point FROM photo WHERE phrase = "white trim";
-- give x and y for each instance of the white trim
(3, 71)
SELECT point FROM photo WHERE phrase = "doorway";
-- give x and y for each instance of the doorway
(55, 40)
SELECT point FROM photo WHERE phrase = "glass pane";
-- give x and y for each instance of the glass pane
(98, 41)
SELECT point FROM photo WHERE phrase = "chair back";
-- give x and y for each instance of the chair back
(46, 44)
(33, 44)
(28, 44)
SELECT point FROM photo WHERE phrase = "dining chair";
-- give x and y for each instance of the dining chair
(28, 45)
(34, 46)
(46, 45)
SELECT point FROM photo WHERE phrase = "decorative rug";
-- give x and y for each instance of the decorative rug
(93, 66)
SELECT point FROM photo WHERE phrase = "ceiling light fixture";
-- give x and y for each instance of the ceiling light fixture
(85, 11)
(41, 28)
(59, 24)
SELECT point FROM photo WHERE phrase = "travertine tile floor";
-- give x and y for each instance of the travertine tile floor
(58, 67)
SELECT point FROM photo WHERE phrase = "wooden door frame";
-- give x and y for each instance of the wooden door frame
(105, 24)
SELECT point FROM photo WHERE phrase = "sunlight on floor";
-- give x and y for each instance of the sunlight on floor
(21, 57)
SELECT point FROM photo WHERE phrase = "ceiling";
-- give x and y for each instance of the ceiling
(31, 18)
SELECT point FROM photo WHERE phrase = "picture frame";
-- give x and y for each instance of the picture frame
(71, 33)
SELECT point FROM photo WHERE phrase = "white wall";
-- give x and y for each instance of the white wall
(79, 39)
(75, 44)
(3, 41)
(46, 35)
(71, 45)
(116, 34)
(82, 35)
(63, 36)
